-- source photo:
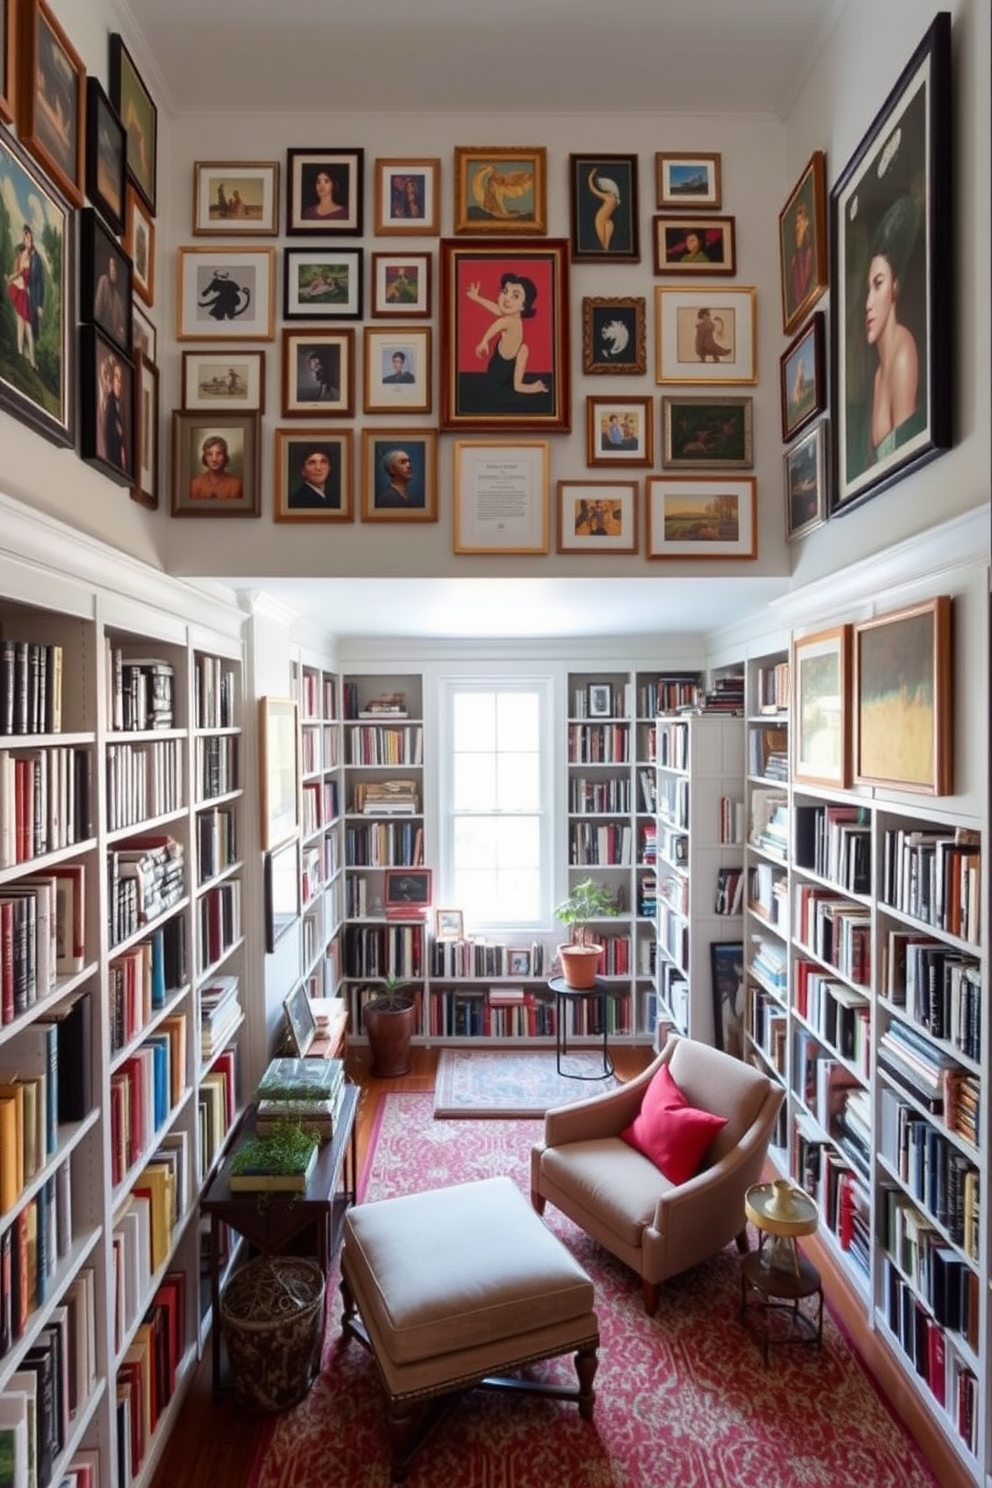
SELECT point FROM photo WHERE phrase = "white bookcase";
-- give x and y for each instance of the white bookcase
(321, 849)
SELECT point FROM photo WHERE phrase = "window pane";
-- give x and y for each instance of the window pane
(474, 843)
(518, 894)
(473, 782)
(518, 782)
(474, 720)
(518, 721)
(517, 841)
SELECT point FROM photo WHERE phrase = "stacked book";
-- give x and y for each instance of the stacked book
(220, 1012)
(303, 1092)
(387, 798)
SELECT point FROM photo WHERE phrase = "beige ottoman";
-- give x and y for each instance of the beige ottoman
(454, 1287)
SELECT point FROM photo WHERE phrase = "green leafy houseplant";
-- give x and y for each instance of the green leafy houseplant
(284, 1152)
(392, 997)
(389, 1017)
(579, 957)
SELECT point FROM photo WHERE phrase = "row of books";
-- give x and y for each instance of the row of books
(140, 979)
(768, 894)
(916, 1063)
(477, 957)
(379, 744)
(773, 688)
(215, 695)
(385, 950)
(144, 1088)
(949, 1377)
(143, 1228)
(217, 1104)
(935, 876)
(837, 1013)
(146, 1376)
(34, 1243)
(836, 931)
(768, 828)
(218, 913)
(598, 743)
(216, 765)
(30, 687)
(769, 1028)
(731, 821)
(936, 1271)
(142, 691)
(768, 752)
(937, 1174)
(729, 896)
(769, 963)
(385, 844)
(673, 934)
(515, 1012)
(603, 843)
(145, 879)
(45, 801)
(220, 1013)
(608, 795)
(940, 988)
(835, 842)
(673, 802)
(673, 844)
(142, 781)
(672, 746)
(216, 842)
(669, 694)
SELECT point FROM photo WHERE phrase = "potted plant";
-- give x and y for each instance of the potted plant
(586, 901)
(389, 1018)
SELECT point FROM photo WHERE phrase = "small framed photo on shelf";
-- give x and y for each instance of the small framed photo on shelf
(517, 962)
(500, 190)
(279, 744)
(903, 718)
(322, 284)
(597, 517)
(139, 244)
(802, 244)
(605, 220)
(448, 924)
(694, 245)
(51, 99)
(802, 379)
(226, 294)
(106, 155)
(139, 116)
(234, 198)
(398, 369)
(318, 373)
(144, 488)
(619, 431)
(106, 380)
(399, 475)
(407, 197)
(688, 181)
(706, 433)
(821, 683)
(324, 192)
(599, 700)
(104, 280)
(401, 285)
(613, 335)
(215, 464)
(300, 1021)
(282, 892)
(692, 517)
(805, 466)
(216, 380)
(407, 892)
(313, 476)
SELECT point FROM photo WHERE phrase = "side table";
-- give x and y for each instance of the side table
(564, 995)
(769, 1289)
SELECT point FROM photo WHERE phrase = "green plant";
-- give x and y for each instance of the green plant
(586, 901)
(284, 1150)
(392, 997)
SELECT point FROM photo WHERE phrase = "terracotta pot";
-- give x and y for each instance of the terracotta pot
(390, 1031)
(579, 965)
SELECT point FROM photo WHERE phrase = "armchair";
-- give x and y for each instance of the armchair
(618, 1196)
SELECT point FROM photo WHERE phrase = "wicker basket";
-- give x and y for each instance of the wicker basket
(272, 1311)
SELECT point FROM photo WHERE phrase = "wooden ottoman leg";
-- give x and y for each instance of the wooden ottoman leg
(586, 1364)
(350, 1310)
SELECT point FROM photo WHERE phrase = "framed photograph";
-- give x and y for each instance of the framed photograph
(802, 378)
(300, 1021)
(399, 475)
(820, 691)
(38, 254)
(603, 212)
(613, 335)
(318, 373)
(281, 887)
(279, 766)
(727, 975)
(213, 381)
(599, 700)
(597, 516)
(51, 99)
(106, 156)
(407, 892)
(448, 924)
(314, 476)
(407, 197)
(106, 381)
(504, 327)
(891, 305)
(692, 517)
(324, 192)
(707, 433)
(687, 181)
(802, 243)
(144, 487)
(226, 294)
(322, 284)
(501, 496)
(619, 431)
(139, 116)
(517, 962)
(806, 482)
(903, 715)
(694, 245)
(8, 60)
(139, 245)
(500, 190)
(398, 369)
(401, 284)
(215, 465)
(144, 336)
(235, 197)
(705, 335)
(104, 280)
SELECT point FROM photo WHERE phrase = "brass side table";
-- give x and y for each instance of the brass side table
(776, 1278)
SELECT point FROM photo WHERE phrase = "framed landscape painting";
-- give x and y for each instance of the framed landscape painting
(605, 224)
(234, 379)
(692, 517)
(235, 198)
(688, 180)
(322, 283)
(802, 379)
(139, 116)
(903, 718)
(707, 433)
(51, 98)
(806, 482)
(821, 701)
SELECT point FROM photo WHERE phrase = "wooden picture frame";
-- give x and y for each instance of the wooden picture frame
(903, 713)
(139, 116)
(397, 369)
(694, 246)
(8, 61)
(620, 431)
(314, 475)
(279, 770)
(487, 348)
(501, 496)
(802, 378)
(213, 380)
(406, 892)
(688, 179)
(805, 483)
(105, 280)
(692, 517)
(894, 257)
(235, 198)
(144, 335)
(106, 156)
(322, 284)
(318, 373)
(820, 732)
(145, 486)
(449, 924)
(802, 243)
(225, 294)
(501, 190)
(300, 1021)
(407, 197)
(706, 335)
(282, 900)
(215, 469)
(399, 475)
(603, 209)
(106, 426)
(401, 285)
(728, 982)
(613, 335)
(139, 244)
(324, 193)
(597, 517)
(518, 961)
(51, 99)
(707, 433)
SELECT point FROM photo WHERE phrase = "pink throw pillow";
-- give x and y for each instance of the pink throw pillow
(673, 1134)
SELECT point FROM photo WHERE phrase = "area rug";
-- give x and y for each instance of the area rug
(682, 1399)
(507, 1082)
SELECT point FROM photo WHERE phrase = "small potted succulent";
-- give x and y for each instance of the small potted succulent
(389, 1017)
(587, 901)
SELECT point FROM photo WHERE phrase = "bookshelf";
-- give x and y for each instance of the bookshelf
(322, 859)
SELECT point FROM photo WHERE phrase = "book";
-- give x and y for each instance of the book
(288, 1171)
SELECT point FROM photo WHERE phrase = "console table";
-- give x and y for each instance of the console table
(564, 994)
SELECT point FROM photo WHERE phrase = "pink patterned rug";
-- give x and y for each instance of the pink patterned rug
(514, 1082)
(681, 1398)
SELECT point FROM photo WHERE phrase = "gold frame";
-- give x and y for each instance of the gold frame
(279, 769)
(470, 160)
(811, 190)
(236, 170)
(135, 209)
(537, 502)
(388, 225)
(614, 454)
(598, 542)
(671, 329)
(316, 336)
(370, 458)
(344, 439)
(263, 327)
(414, 397)
(668, 199)
(706, 547)
(904, 683)
(833, 643)
(29, 105)
(8, 58)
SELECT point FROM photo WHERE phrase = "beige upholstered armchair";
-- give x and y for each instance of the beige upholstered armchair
(624, 1201)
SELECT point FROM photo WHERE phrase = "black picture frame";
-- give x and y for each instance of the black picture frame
(613, 340)
(106, 380)
(139, 117)
(106, 156)
(604, 216)
(322, 283)
(891, 206)
(307, 213)
(727, 973)
(281, 889)
(105, 281)
(300, 1021)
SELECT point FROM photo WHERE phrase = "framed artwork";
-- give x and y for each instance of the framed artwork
(235, 197)
(802, 378)
(106, 156)
(802, 243)
(500, 190)
(688, 180)
(139, 244)
(407, 891)
(504, 330)
(398, 369)
(300, 1021)
(399, 475)
(597, 516)
(613, 335)
(692, 517)
(215, 464)
(282, 891)
(448, 924)
(705, 335)
(517, 962)
(322, 284)
(603, 209)
(727, 975)
(806, 482)
(324, 192)
(501, 496)
(38, 254)
(599, 700)
(401, 284)
(8, 60)
(51, 99)
(106, 423)
(226, 294)
(314, 476)
(144, 487)
(139, 116)
(318, 373)
(619, 431)
(213, 380)
(893, 283)
(407, 197)
(279, 747)
(903, 718)
(144, 336)
(709, 433)
(694, 245)
(104, 280)
(820, 690)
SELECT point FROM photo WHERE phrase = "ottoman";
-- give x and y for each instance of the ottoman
(454, 1287)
